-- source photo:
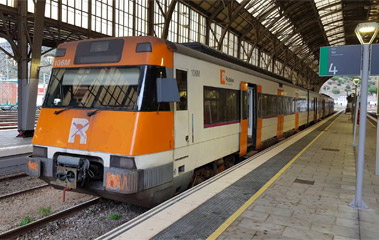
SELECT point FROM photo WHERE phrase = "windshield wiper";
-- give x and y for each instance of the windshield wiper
(62, 110)
(89, 114)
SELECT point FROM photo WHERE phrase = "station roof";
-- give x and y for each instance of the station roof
(289, 31)
(299, 26)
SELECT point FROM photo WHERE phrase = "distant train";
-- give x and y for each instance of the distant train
(140, 119)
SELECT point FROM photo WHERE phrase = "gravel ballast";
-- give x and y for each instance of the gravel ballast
(19, 184)
(15, 209)
(89, 223)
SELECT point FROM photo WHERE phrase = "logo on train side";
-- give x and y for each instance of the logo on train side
(224, 79)
(79, 126)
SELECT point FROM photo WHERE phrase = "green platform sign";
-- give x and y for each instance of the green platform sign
(340, 60)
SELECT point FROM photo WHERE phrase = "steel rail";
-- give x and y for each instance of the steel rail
(13, 176)
(13, 233)
(23, 191)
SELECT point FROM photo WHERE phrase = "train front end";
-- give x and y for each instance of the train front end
(102, 129)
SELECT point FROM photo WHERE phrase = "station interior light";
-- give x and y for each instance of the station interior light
(356, 81)
(366, 32)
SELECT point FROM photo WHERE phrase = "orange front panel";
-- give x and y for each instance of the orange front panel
(259, 133)
(161, 55)
(243, 138)
(296, 121)
(117, 132)
(244, 86)
(280, 126)
(259, 88)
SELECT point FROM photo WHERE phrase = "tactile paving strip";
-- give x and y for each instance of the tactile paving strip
(216, 210)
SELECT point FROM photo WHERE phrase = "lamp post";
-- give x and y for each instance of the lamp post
(366, 33)
(377, 132)
(356, 81)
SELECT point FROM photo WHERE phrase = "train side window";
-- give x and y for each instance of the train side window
(260, 105)
(181, 79)
(220, 105)
(298, 104)
(245, 106)
(275, 108)
(265, 111)
(282, 105)
(285, 105)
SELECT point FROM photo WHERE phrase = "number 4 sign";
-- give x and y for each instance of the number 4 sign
(333, 70)
(340, 61)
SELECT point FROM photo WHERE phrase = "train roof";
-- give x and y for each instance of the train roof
(200, 51)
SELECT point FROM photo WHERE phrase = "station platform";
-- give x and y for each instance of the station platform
(12, 152)
(298, 189)
(10, 144)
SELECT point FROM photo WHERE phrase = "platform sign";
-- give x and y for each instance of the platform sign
(340, 60)
(374, 60)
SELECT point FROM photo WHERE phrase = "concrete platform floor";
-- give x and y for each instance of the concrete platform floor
(319, 210)
(12, 145)
(13, 152)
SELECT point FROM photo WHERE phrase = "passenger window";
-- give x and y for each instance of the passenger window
(181, 79)
(260, 103)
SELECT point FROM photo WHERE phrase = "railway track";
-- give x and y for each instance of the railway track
(9, 119)
(12, 176)
(13, 233)
(23, 191)
(17, 176)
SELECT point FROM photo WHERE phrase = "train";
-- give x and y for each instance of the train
(141, 119)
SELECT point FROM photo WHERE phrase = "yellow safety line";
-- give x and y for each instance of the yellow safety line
(235, 215)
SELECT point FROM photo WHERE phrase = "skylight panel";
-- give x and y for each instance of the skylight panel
(330, 12)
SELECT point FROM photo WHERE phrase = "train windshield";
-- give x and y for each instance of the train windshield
(124, 88)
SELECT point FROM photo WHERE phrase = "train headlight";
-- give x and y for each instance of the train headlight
(39, 151)
(71, 176)
(123, 162)
(61, 175)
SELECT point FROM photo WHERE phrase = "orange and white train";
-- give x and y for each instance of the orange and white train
(140, 119)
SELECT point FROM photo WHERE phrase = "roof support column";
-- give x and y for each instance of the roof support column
(239, 47)
(207, 30)
(22, 61)
(167, 18)
(134, 18)
(89, 20)
(259, 58)
(113, 18)
(273, 58)
(150, 18)
(29, 106)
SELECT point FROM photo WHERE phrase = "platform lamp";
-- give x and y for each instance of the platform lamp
(356, 81)
(366, 33)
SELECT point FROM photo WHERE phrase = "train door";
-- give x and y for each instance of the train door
(308, 107)
(248, 116)
(181, 127)
(315, 110)
(244, 108)
(252, 100)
